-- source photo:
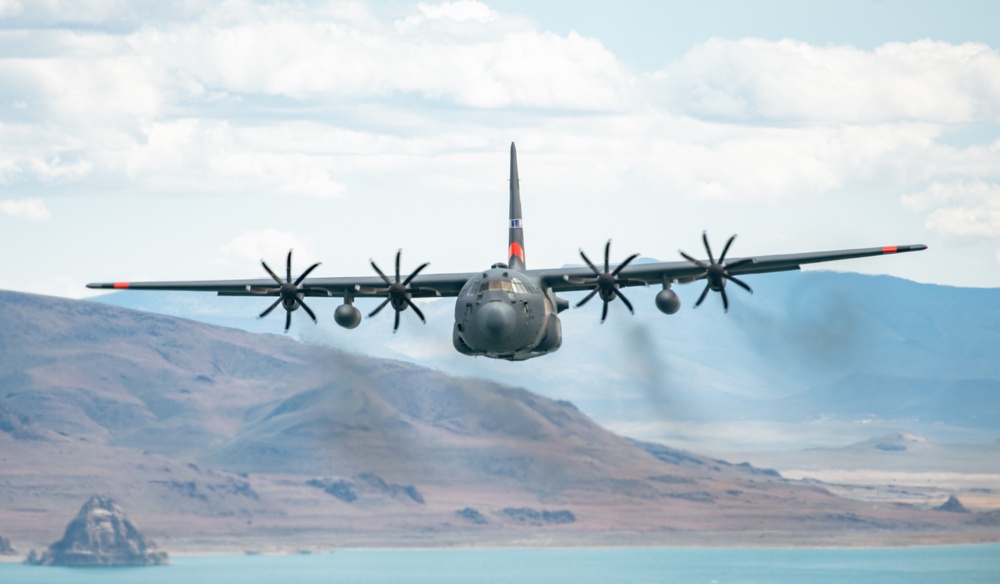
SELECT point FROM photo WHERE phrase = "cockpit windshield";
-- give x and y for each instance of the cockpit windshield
(512, 286)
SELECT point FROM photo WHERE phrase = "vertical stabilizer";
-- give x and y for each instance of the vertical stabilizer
(515, 250)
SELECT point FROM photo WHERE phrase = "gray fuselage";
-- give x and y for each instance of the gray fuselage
(504, 314)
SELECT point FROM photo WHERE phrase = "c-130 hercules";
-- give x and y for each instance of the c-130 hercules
(508, 311)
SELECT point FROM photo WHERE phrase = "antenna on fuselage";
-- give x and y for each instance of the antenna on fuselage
(515, 249)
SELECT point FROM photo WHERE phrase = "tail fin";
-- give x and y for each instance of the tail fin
(515, 251)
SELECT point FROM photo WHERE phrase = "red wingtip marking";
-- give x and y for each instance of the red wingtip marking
(121, 285)
(515, 250)
(890, 249)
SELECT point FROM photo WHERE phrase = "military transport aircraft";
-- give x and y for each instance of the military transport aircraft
(508, 311)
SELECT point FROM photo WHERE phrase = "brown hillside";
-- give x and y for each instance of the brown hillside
(218, 438)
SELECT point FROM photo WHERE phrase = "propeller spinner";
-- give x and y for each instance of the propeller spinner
(717, 272)
(606, 283)
(289, 292)
(398, 293)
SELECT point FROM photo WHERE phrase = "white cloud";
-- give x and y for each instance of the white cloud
(480, 61)
(205, 156)
(10, 7)
(96, 13)
(64, 286)
(272, 246)
(960, 209)
(770, 164)
(31, 209)
(15, 168)
(791, 80)
(269, 97)
(461, 11)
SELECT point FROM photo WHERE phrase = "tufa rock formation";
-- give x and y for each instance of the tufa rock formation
(100, 535)
(5, 548)
(952, 505)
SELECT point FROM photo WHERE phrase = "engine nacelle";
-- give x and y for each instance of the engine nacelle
(667, 301)
(347, 316)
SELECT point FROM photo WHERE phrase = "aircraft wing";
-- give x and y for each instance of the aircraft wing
(423, 285)
(559, 279)
(568, 279)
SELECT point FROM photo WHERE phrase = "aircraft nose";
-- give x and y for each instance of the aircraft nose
(496, 320)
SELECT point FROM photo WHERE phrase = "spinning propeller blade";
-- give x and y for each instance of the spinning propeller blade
(606, 282)
(289, 293)
(717, 273)
(398, 292)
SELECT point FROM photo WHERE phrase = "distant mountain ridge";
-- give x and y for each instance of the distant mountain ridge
(208, 432)
(807, 346)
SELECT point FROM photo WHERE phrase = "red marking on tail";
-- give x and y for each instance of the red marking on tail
(890, 249)
(515, 250)
(121, 285)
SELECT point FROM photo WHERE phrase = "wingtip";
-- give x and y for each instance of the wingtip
(903, 248)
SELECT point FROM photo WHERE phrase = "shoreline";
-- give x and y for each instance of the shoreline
(550, 541)
(232, 553)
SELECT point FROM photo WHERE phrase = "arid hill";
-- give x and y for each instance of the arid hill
(218, 439)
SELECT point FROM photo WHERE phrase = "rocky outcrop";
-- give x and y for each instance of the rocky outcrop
(101, 535)
(5, 548)
(472, 515)
(17, 425)
(367, 484)
(528, 516)
(952, 505)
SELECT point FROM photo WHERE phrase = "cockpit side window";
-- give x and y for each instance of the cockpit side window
(470, 287)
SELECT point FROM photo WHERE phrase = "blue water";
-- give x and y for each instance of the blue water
(957, 564)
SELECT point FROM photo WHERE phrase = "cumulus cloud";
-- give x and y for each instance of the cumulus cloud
(250, 96)
(109, 14)
(271, 98)
(271, 245)
(461, 11)
(753, 79)
(960, 209)
(771, 164)
(10, 7)
(31, 209)
(460, 53)
(208, 156)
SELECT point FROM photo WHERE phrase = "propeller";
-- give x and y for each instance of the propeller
(606, 283)
(289, 292)
(398, 293)
(717, 272)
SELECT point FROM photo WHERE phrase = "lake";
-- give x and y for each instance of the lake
(959, 564)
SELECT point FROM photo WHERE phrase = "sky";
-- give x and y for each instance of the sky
(188, 140)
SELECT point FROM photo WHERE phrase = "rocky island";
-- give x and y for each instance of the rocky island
(100, 535)
(5, 548)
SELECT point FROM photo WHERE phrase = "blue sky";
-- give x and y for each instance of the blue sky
(187, 140)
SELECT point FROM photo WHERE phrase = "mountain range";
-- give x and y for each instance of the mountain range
(216, 438)
(822, 358)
